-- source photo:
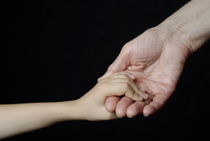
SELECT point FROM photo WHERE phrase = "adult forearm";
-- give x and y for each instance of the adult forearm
(190, 24)
(20, 118)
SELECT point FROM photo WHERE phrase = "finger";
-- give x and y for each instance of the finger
(123, 86)
(120, 64)
(115, 76)
(111, 103)
(137, 90)
(132, 94)
(126, 75)
(155, 105)
(122, 74)
(122, 106)
(132, 84)
(135, 109)
(120, 87)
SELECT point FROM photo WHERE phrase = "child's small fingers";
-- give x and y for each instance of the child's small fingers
(123, 88)
(115, 76)
(137, 90)
(122, 75)
(133, 95)
(132, 84)
(126, 89)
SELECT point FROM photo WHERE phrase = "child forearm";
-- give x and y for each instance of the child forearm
(20, 118)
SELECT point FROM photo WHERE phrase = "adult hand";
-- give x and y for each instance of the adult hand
(155, 61)
(156, 58)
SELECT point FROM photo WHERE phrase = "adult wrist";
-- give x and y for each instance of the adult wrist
(189, 34)
(172, 30)
(190, 25)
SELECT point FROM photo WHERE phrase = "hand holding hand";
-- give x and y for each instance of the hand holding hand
(155, 61)
(92, 104)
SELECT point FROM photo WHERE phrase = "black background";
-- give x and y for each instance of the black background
(55, 50)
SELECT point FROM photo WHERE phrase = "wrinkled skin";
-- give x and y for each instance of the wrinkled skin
(155, 60)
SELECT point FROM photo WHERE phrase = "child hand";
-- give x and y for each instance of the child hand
(92, 103)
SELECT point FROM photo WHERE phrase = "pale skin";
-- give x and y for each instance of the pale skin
(155, 59)
(21, 118)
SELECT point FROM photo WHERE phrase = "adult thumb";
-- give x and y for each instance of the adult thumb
(120, 64)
